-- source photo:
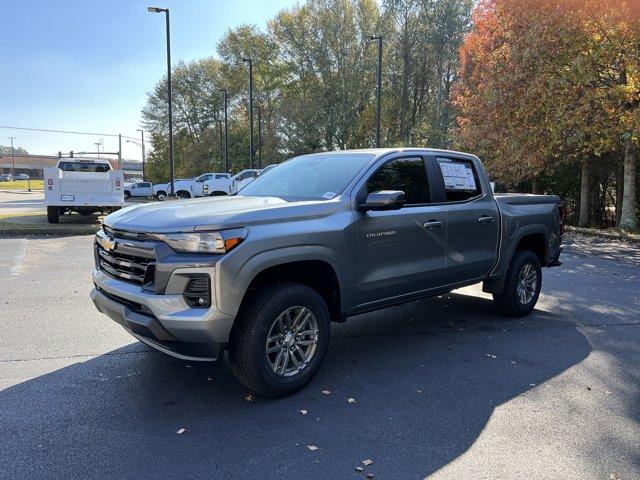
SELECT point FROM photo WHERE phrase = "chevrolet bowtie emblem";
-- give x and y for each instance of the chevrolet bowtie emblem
(108, 243)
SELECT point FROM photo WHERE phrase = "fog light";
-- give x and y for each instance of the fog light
(197, 293)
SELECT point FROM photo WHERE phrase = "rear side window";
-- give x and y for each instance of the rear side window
(405, 174)
(460, 179)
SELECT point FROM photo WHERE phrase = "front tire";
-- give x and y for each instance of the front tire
(53, 214)
(522, 285)
(127, 195)
(280, 339)
(161, 196)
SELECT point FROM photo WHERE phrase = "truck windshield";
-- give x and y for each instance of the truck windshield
(313, 177)
(83, 167)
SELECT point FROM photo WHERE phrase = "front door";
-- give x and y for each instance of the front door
(400, 251)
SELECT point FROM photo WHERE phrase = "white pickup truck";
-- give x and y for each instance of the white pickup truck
(213, 184)
(138, 189)
(82, 186)
(243, 178)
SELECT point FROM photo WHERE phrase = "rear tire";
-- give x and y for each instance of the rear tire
(161, 196)
(127, 195)
(53, 214)
(184, 195)
(263, 311)
(522, 285)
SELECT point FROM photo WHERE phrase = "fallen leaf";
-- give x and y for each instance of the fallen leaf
(359, 469)
(304, 412)
(588, 387)
(351, 400)
(615, 476)
(181, 431)
(419, 391)
(367, 462)
(532, 384)
(326, 392)
(209, 379)
(312, 447)
(607, 392)
(370, 475)
(249, 398)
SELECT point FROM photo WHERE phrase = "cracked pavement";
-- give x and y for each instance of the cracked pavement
(443, 388)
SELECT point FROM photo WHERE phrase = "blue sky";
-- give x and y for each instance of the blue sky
(87, 65)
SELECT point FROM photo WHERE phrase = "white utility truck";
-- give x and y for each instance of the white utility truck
(84, 186)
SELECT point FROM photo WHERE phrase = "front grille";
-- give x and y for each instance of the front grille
(124, 267)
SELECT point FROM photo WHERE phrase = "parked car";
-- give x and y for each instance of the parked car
(264, 273)
(138, 189)
(84, 186)
(162, 190)
(22, 176)
(6, 177)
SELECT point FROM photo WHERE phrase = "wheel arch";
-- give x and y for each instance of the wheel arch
(313, 266)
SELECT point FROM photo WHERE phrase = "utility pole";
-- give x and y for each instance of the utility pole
(143, 155)
(378, 38)
(168, 30)
(226, 133)
(250, 62)
(259, 137)
(13, 158)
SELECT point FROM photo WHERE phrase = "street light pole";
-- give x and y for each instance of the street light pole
(13, 158)
(168, 29)
(250, 62)
(142, 146)
(259, 137)
(221, 148)
(226, 133)
(378, 38)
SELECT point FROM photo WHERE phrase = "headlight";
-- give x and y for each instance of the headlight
(204, 242)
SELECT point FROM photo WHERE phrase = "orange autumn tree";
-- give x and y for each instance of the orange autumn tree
(544, 82)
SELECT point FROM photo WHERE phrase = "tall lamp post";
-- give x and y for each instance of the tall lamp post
(221, 147)
(378, 38)
(166, 12)
(259, 136)
(250, 62)
(143, 152)
(13, 158)
(226, 132)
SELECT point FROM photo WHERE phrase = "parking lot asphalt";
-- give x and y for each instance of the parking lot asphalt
(443, 388)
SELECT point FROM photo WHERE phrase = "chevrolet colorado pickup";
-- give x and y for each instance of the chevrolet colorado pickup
(322, 237)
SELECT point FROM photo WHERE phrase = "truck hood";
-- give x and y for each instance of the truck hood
(215, 213)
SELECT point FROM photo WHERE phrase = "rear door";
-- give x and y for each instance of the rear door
(472, 218)
(400, 252)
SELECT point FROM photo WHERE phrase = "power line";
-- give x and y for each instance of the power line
(66, 131)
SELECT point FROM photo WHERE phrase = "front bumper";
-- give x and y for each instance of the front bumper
(164, 322)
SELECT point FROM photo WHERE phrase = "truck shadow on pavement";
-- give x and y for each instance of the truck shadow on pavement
(425, 377)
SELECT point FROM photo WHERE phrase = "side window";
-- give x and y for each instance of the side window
(406, 174)
(145, 184)
(460, 179)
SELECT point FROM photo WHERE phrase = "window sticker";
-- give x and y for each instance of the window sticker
(457, 176)
(329, 195)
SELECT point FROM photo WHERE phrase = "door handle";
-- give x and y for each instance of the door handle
(486, 219)
(433, 224)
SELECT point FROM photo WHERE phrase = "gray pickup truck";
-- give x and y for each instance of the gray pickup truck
(317, 240)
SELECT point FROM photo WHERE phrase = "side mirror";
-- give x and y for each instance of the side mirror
(383, 200)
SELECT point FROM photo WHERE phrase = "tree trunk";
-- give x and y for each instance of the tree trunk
(628, 216)
(583, 219)
(619, 190)
(535, 187)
